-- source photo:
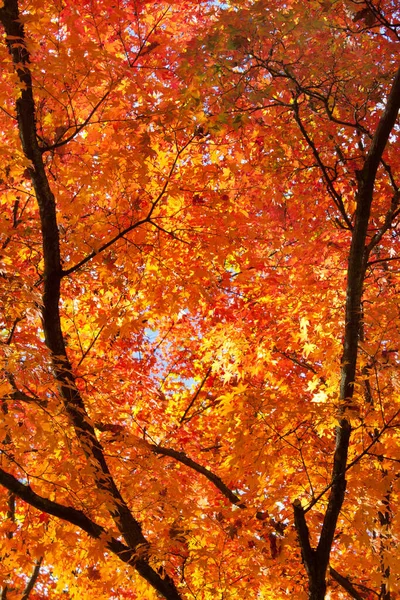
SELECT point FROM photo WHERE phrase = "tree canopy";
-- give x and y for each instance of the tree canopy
(200, 329)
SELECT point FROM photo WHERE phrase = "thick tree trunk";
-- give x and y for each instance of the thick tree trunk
(317, 588)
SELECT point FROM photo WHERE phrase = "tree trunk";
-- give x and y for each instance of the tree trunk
(317, 587)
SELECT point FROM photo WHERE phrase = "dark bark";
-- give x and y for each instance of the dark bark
(74, 405)
(346, 584)
(73, 402)
(32, 580)
(316, 561)
(185, 460)
(76, 517)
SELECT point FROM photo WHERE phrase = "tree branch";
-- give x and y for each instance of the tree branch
(76, 517)
(147, 219)
(193, 400)
(33, 579)
(79, 127)
(337, 198)
(103, 247)
(390, 216)
(185, 460)
(345, 583)
(357, 264)
(74, 405)
(382, 133)
(303, 534)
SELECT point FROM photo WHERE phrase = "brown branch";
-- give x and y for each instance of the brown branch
(346, 584)
(76, 517)
(215, 480)
(14, 325)
(357, 264)
(18, 394)
(74, 405)
(78, 128)
(355, 460)
(374, 441)
(103, 247)
(336, 497)
(300, 363)
(147, 219)
(381, 260)
(382, 133)
(390, 215)
(193, 400)
(303, 534)
(33, 579)
(337, 198)
(185, 460)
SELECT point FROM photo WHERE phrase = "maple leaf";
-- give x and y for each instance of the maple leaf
(199, 299)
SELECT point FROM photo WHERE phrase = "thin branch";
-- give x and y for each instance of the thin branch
(185, 460)
(103, 247)
(33, 579)
(8, 114)
(79, 127)
(301, 363)
(17, 394)
(337, 198)
(10, 337)
(381, 260)
(376, 439)
(90, 346)
(390, 215)
(381, 457)
(170, 233)
(193, 400)
(354, 461)
(305, 467)
(147, 219)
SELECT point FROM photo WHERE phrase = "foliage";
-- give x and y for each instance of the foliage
(199, 326)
